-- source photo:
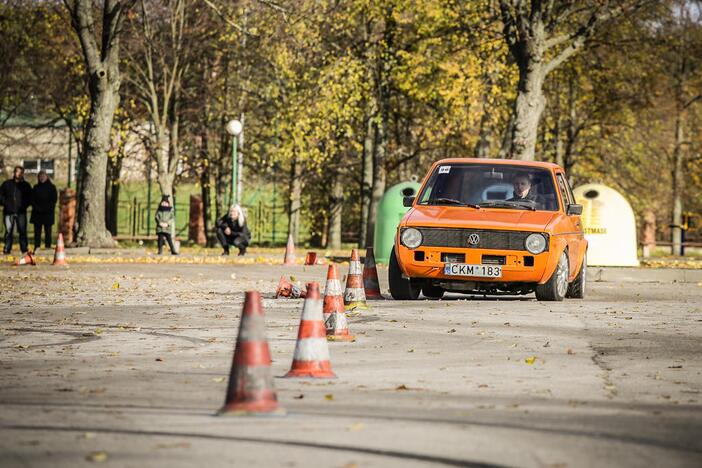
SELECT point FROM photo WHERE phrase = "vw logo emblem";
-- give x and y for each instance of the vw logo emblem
(473, 239)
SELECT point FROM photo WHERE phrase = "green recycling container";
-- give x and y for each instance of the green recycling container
(390, 212)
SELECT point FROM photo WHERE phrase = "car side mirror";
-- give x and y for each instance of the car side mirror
(407, 201)
(574, 209)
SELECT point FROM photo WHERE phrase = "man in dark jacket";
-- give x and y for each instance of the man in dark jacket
(15, 197)
(232, 230)
(44, 198)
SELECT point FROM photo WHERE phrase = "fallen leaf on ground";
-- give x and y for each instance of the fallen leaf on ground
(356, 427)
(329, 397)
(97, 457)
(570, 351)
(530, 360)
(401, 387)
(115, 285)
(218, 379)
(299, 397)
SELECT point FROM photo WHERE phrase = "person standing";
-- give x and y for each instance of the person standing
(15, 197)
(232, 230)
(44, 197)
(165, 225)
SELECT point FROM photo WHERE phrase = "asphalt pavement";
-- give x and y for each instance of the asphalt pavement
(126, 365)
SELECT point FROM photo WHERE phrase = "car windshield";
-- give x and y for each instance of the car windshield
(491, 186)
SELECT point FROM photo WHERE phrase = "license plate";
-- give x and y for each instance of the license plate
(481, 271)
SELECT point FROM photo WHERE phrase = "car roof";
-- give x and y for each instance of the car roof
(513, 162)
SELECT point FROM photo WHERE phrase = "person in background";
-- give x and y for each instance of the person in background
(165, 225)
(15, 197)
(44, 197)
(232, 230)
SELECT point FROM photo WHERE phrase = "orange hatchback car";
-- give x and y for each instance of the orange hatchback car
(490, 226)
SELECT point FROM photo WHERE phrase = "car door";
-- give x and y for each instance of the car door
(574, 236)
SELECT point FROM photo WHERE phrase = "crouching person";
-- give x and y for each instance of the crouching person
(165, 225)
(232, 230)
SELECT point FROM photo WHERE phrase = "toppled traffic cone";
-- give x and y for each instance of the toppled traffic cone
(371, 285)
(287, 289)
(60, 252)
(26, 259)
(311, 357)
(334, 313)
(354, 294)
(289, 251)
(250, 390)
(311, 258)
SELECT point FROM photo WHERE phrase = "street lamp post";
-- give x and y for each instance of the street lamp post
(234, 128)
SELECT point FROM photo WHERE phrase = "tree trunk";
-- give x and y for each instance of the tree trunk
(295, 197)
(205, 182)
(379, 178)
(678, 182)
(367, 178)
(114, 169)
(528, 108)
(104, 96)
(335, 211)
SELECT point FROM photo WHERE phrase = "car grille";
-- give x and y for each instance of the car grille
(489, 239)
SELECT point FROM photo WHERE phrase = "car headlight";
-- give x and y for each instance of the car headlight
(535, 243)
(411, 238)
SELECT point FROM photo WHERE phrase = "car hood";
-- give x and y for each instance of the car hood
(484, 218)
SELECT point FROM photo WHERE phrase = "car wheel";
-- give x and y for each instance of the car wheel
(576, 289)
(401, 289)
(432, 292)
(556, 287)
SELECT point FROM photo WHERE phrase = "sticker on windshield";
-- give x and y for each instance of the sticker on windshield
(444, 169)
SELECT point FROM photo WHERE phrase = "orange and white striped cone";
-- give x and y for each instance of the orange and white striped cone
(333, 309)
(370, 276)
(289, 251)
(251, 390)
(354, 294)
(311, 358)
(26, 259)
(287, 289)
(60, 252)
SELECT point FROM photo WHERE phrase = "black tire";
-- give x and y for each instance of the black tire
(432, 292)
(401, 289)
(556, 287)
(576, 290)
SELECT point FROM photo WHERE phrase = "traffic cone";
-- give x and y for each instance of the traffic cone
(287, 289)
(354, 294)
(334, 313)
(311, 258)
(250, 390)
(59, 252)
(289, 251)
(371, 285)
(311, 358)
(27, 259)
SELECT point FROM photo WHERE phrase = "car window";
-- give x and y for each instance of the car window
(566, 194)
(491, 185)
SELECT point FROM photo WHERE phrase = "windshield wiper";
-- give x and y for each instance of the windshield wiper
(508, 204)
(455, 202)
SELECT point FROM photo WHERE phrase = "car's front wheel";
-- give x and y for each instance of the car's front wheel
(576, 289)
(556, 287)
(402, 289)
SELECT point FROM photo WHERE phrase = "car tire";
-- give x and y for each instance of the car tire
(556, 287)
(401, 289)
(576, 290)
(432, 292)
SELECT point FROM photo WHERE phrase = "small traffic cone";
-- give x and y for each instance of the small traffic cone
(334, 313)
(311, 258)
(251, 390)
(287, 289)
(289, 251)
(354, 294)
(27, 259)
(371, 285)
(59, 252)
(311, 358)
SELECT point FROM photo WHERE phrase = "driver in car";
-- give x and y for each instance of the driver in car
(522, 189)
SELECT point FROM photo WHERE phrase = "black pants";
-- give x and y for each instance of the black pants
(238, 241)
(162, 239)
(37, 235)
(20, 222)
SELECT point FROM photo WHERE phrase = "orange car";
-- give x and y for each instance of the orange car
(490, 226)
